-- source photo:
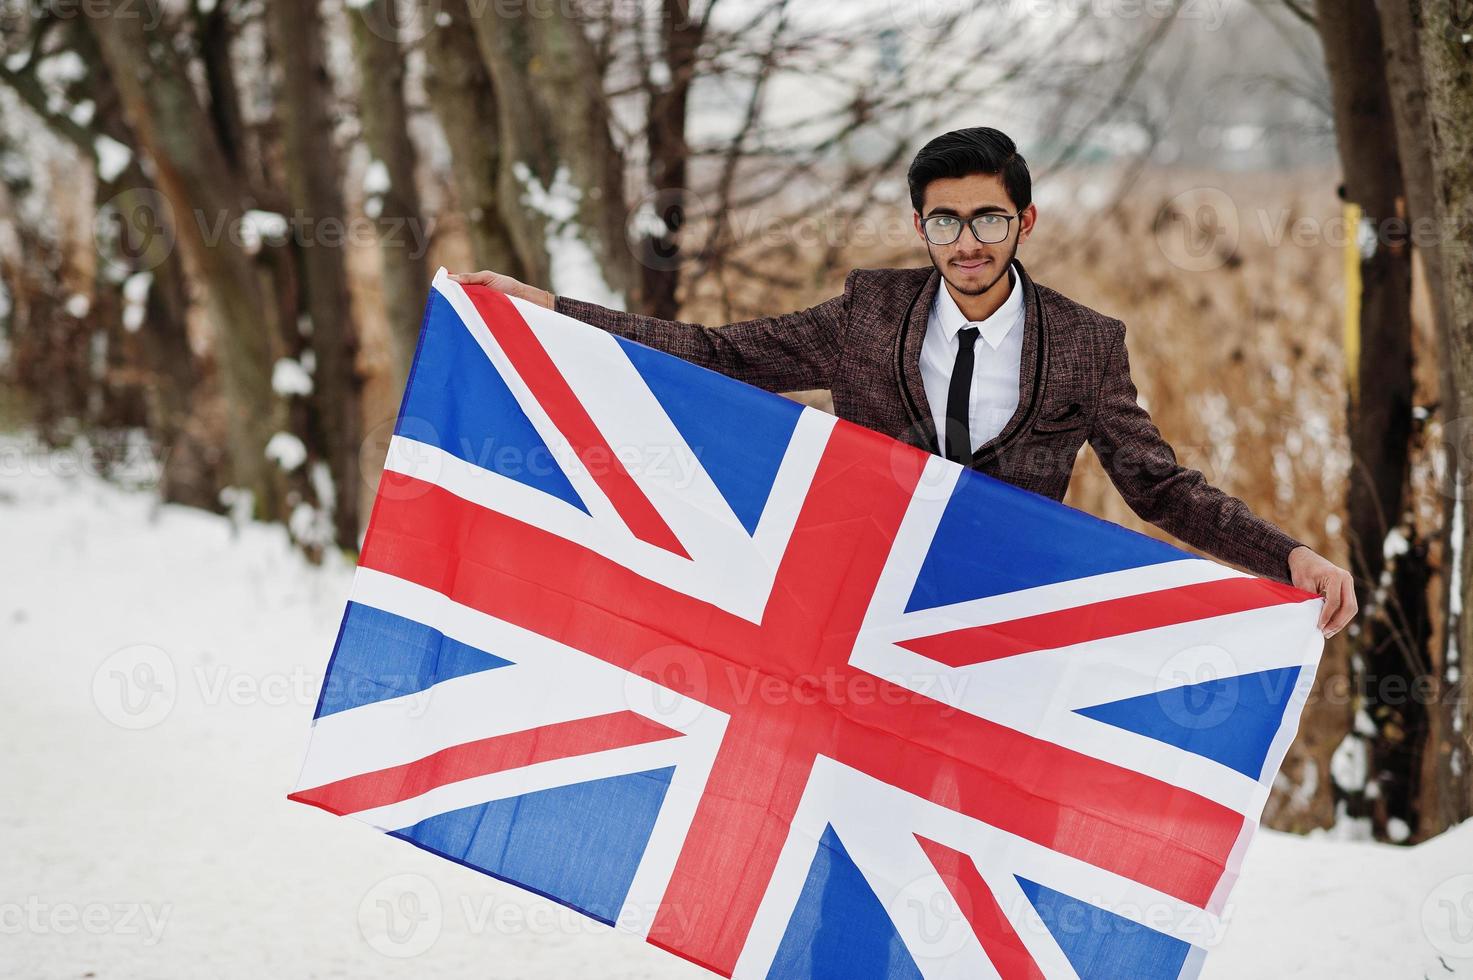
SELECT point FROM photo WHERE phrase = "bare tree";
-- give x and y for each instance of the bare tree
(394, 195)
(194, 176)
(1446, 796)
(562, 175)
(1443, 44)
(314, 184)
(465, 103)
(1392, 640)
(668, 171)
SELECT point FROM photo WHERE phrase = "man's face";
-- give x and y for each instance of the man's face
(971, 267)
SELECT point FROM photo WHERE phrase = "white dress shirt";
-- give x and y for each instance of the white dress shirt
(998, 359)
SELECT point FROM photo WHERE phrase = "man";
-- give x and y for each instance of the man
(899, 351)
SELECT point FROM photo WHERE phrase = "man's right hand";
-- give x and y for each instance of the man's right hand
(506, 284)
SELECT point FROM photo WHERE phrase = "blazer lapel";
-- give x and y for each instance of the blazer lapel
(1030, 367)
(912, 336)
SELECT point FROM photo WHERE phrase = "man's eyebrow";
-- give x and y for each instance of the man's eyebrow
(985, 209)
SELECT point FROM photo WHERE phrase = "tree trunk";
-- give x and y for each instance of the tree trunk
(174, 381)
(526, 144)
(314, 186)
(149, 353)
(465, 102)
(557, 150)
(49, 348)
(402, 231)
(193, 175)
(1392, 640)
(569, 77)
(1446, 760)
(669, 156)
(1447, 60)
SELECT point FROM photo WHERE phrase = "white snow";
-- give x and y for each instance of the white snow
(575, 269)
(1241, 137)
(62, 69)
(308, 525)
(162, 667)
(1303, 794)
(112, 157)
(135, 300)
(376, 183)
(136, 287)
(647, 221)
(1455, 562)
(13, 167)
(239, 503)
(286, 451)
(313, 525)
(376, 178)
(1348, 764)
(257, 226)
(1366, 238)
(289, 377)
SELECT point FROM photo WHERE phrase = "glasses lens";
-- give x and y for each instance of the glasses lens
(942, 229)
(990, 228)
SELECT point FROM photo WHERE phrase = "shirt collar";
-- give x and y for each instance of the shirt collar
(995, 327)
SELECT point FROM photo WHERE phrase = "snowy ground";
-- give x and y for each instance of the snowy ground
(160, 670)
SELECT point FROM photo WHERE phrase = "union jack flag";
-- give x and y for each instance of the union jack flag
(780, 694)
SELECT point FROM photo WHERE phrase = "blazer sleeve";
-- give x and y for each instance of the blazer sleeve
(791, 352)
(1176, 498)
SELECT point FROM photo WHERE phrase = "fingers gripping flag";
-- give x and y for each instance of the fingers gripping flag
(780, 694)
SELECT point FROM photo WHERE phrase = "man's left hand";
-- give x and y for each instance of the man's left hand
(1313, 572)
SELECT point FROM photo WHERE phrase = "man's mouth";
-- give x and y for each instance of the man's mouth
(971, 266)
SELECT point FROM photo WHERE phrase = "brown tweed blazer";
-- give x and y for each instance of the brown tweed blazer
(1075, 385)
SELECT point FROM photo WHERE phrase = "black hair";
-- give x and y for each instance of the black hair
(963, 152)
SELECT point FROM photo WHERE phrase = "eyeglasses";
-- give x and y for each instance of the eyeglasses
(989, 229)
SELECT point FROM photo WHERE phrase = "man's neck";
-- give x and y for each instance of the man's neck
(983, 305)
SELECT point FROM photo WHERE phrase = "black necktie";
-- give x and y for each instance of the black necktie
(959, 399)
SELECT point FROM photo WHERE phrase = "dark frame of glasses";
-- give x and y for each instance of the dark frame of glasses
(1007, 227)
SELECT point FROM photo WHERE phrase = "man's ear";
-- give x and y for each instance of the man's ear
(916, 216)
(1026, 219)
